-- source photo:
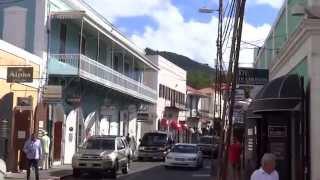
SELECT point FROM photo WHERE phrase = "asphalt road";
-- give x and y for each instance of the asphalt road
(156, 171)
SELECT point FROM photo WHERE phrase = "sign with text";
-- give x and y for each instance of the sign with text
(252, 76)
(20, 74)
(52, 93)
(277, 131)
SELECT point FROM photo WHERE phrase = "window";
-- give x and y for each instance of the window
(99, 144)
(183, 99)
(120, 145)
(160, 91)
(63, 37)
(126, 69)
(167, 93)
(116, 63)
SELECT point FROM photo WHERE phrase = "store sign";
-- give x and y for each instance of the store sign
(19, 74)
(277, 131)
(142, 117)
(52, 93)
(252, 76)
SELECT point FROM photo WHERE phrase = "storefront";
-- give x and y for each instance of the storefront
(276, 122)
(20, 82)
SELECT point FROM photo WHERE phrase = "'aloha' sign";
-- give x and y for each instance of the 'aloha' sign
(19, 74)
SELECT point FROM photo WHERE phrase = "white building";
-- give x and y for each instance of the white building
(172, 90)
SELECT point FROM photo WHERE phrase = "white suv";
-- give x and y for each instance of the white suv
(106, 154)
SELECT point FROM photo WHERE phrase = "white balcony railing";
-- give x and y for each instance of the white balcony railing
(104, 75)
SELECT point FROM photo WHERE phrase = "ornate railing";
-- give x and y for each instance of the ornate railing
(104, 75)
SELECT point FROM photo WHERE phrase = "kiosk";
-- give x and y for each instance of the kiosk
(276, 123)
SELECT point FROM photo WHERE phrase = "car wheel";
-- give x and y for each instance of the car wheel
(125, 169)
(76, 173)
(115, 170)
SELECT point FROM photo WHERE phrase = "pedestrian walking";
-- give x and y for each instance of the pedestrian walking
(234, 158)
(45, 141)
(267, 170)
(33, 150)
(128, 138)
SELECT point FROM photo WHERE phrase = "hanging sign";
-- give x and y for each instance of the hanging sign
(20, 74)
(250, 76)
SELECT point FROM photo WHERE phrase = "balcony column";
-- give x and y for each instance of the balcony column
(123, 57)
(80, 45)
(132, 68)
(112, 54)
(98, 47)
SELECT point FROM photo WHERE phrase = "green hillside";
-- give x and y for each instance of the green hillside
(198, 75)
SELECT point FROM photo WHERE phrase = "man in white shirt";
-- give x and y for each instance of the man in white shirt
(267, 170)
(45, 140)
(33, 150)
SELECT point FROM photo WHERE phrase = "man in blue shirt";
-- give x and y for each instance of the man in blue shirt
(33, 150)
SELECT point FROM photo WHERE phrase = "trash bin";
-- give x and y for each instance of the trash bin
(3, 169)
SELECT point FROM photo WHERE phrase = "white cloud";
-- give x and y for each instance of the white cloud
(273, 3)
(173, 33)
(112, 9)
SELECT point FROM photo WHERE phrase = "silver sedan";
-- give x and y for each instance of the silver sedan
(184, 155)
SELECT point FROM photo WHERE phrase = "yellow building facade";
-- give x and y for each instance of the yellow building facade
(18, 104)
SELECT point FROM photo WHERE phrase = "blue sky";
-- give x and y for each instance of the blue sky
(177, 26)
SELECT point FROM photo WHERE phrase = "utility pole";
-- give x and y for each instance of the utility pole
(232, 79)
(217, 73)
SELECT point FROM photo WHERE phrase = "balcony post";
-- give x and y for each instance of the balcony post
(80, 48)
(133, 69)
(112, 54)
(98, 47)
(123, 57)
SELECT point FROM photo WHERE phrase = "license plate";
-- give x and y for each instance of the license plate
(179, 159)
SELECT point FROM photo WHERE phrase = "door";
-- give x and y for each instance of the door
(22, 122)
(279, 141)
(57, 141)
(121, 152)
(70, 137)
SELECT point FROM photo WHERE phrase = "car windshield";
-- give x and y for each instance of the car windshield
(184, 149)
(154, 139)
(206, 140)
(101, 144)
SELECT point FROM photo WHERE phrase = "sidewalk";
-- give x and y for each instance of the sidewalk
(50, 174)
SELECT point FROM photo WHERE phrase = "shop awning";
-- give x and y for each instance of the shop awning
(281, 94)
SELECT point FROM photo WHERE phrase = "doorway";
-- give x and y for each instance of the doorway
(21, 131)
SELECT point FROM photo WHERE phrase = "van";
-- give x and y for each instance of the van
(154, 145)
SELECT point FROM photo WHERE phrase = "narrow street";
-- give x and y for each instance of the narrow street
(156, 171)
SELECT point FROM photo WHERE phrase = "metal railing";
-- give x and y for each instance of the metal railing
(97, 72)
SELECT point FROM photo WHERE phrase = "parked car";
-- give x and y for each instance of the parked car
(208, 147)
(127, 147)
(154, 145)
(133, 148)
(184, 155)
(101, 154)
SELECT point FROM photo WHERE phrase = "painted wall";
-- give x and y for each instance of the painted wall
(19, 16)
(282, 28)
